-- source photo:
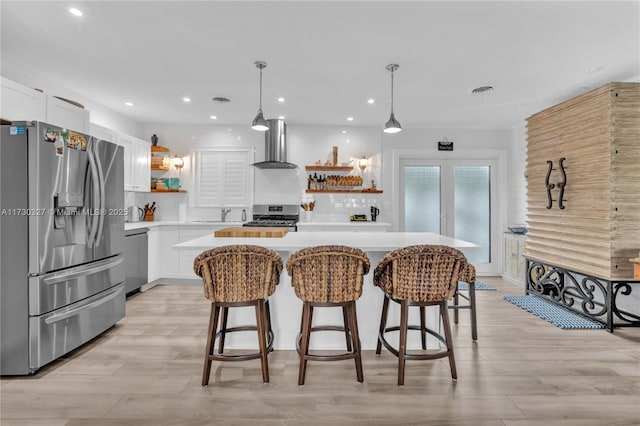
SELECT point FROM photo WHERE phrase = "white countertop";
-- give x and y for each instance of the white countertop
(367, 241)
(142, 224)
(345, 224)
(137, 225)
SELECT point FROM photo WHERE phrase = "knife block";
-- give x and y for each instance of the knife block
(148, 216)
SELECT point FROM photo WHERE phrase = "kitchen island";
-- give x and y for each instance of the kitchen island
(286, 308)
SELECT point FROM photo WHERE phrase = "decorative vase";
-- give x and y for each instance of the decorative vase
(154, 140)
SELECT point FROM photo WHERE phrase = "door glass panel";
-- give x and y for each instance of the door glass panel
(422, 199)
(472, 208)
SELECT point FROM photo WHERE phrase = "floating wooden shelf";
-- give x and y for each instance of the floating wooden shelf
(329, 168)
(158, 148)
(168, 190)
(163, 168)
(343, 191)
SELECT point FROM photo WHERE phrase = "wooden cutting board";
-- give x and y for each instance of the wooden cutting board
(252, 232)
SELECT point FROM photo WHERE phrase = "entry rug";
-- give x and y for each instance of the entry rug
(550, 312)
(479, 286)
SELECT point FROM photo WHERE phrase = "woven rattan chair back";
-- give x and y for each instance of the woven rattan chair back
(328, 274)
(238, 273)
(423, 273)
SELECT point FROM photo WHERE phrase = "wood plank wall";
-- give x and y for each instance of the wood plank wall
(598, 134)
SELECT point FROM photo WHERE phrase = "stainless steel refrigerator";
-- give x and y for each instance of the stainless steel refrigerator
(61, 242)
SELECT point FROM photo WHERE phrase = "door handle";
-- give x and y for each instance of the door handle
(111, 294)
(81, 271)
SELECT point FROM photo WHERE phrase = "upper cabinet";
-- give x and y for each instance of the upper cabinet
(67, 114)
(22, 103)
(137, 157)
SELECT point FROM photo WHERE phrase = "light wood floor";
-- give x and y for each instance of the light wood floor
(146, 371)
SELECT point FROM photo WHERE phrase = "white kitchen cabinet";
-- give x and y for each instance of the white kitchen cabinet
(153, 254)
(21, 103)
(167, 265)
(103, 133)
(66, 115)
(514, 264)
(137, 162)
(169, 262)
(137, 157)
(185, 267)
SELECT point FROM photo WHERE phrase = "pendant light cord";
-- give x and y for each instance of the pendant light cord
(392, 91)
(260, 89)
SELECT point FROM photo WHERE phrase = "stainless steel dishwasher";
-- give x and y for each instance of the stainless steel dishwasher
(135, 259)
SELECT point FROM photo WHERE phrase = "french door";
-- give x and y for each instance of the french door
(453, 198)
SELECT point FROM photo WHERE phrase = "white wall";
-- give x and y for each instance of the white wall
(517, 182)
(305, 146)
(468, 144)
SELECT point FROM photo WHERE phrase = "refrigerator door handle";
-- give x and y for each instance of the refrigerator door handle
(73, 273)
(101, 209)
(95, 194)
(110, 294)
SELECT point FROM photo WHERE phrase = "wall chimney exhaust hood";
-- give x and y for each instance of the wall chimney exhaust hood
(275, 147)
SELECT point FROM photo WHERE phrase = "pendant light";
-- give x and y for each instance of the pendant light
(259, 123)
(392, 126)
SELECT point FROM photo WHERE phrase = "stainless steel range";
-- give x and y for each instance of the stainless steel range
(279, 215)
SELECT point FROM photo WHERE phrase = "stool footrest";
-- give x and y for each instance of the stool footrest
(394, 351)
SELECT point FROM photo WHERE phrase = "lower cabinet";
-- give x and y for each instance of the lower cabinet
(167, 263)
(153, 253)
(514, 264)
(185, 257)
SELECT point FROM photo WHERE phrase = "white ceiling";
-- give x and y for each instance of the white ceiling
(326, 58)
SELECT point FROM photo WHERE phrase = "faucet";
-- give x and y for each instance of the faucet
(223, 214)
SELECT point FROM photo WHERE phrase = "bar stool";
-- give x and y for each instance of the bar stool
(238, 275)
(329, 276)
(421, 275)
(470, 297)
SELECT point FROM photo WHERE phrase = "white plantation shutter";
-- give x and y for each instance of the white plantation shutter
(222, 178)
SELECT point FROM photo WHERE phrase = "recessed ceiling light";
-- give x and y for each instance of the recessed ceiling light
(281, 99)
(186, 100)
(349, 118)
(371, 101)
(128, 103)
(281, 117)
(213, 117)
(344, 131)
(75, 11)
(482, 89)
(347, 141)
